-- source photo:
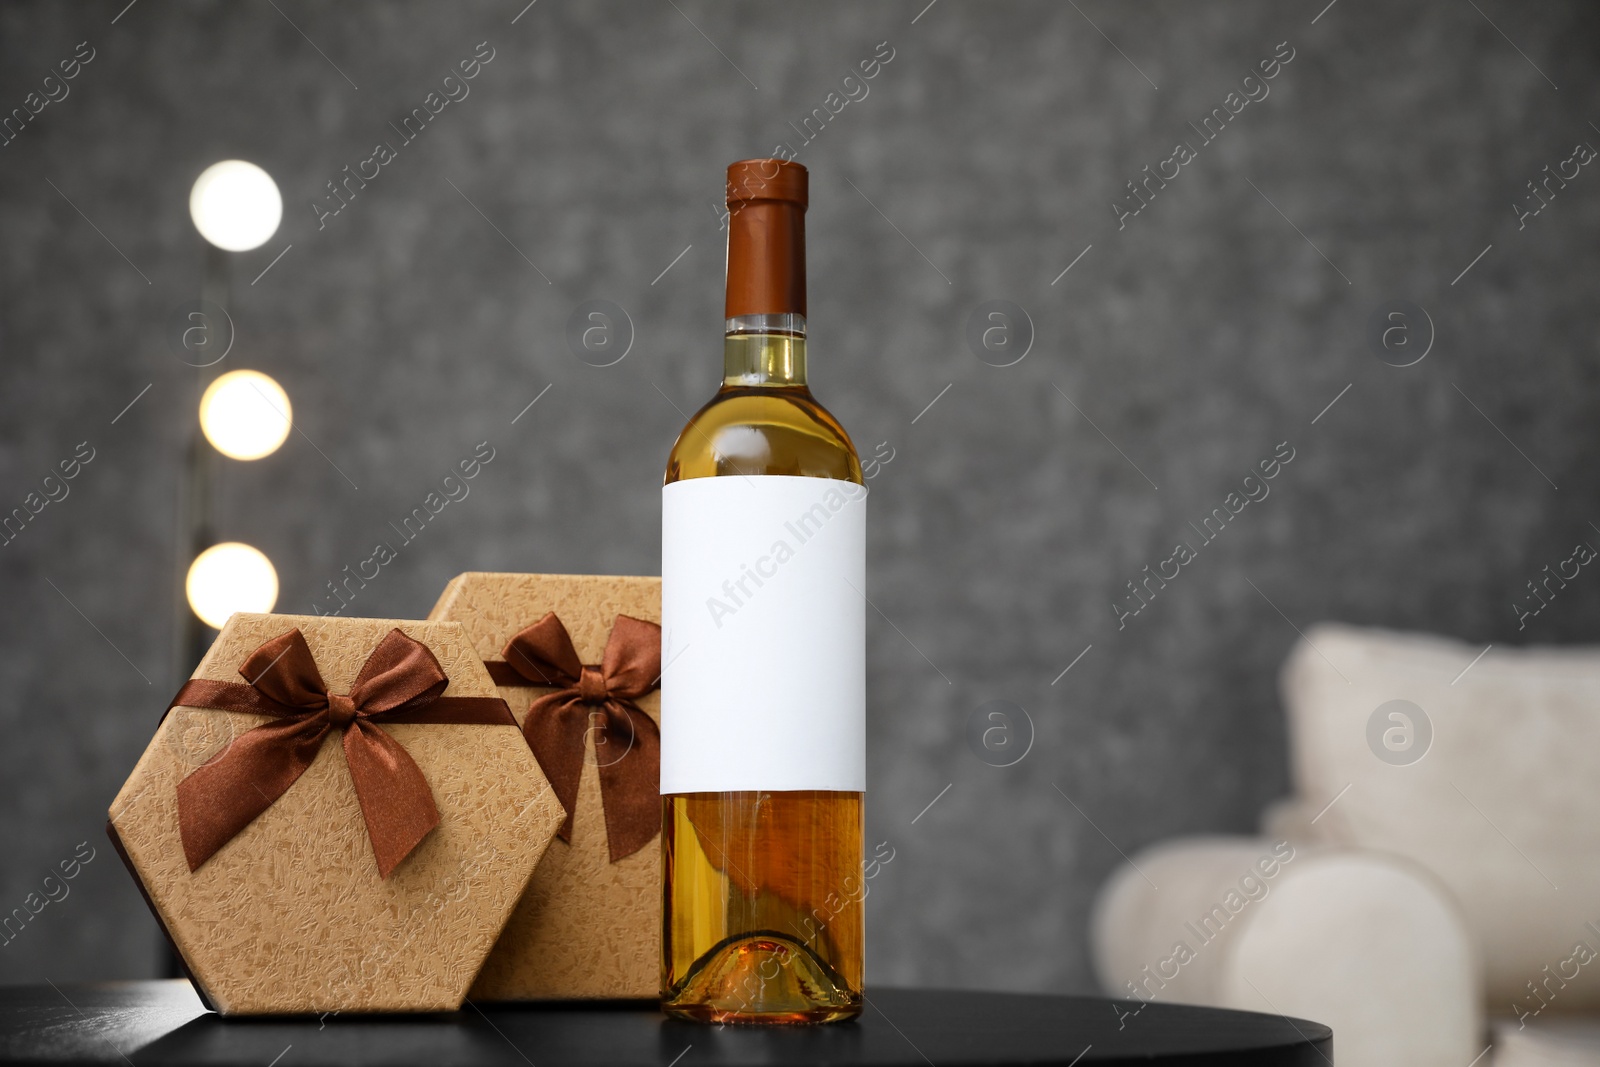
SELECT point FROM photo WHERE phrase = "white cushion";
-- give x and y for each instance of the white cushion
(1366, 943)
(1504, 807)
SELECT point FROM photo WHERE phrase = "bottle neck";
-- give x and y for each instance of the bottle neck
(764, 350)
(765, 311)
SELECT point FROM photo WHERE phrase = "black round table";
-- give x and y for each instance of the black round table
(143, 1024)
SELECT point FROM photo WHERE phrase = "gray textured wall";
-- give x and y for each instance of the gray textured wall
(983, 162)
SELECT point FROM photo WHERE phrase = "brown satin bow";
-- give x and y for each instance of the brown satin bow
(556, 724)
(400, 682)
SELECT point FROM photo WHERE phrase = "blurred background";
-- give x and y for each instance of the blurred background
(1155, 358)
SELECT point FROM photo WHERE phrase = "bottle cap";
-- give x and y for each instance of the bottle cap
(766, 238)
(766, 179)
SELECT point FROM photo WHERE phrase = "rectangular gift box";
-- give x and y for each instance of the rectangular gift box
(589, 925)
(288, 846)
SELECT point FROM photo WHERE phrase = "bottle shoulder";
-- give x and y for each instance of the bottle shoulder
(754, 430)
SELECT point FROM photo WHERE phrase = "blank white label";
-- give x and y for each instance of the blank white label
(763, 617)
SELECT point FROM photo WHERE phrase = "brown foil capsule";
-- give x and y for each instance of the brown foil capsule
(766, 238)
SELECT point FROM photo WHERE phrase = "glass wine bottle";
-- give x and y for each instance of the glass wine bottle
(763, 692)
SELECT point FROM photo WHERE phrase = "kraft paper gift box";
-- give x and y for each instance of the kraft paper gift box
(335, 815)
(589, 925)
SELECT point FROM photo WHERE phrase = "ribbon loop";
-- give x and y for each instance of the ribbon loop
(401, 681)
(627, 741)
(283, 670)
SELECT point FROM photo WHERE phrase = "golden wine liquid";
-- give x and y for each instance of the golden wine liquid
(762, 892)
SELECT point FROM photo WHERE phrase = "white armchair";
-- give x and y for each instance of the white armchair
(1445, 861)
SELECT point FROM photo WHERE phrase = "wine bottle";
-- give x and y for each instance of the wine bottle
(763, 693)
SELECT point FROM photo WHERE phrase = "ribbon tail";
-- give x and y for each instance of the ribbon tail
(223, 797)
(395, 799)
(554, 728)
(630, 790)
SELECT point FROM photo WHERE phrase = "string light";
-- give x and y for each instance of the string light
(235, 205)
(245, 414)
(227, 578)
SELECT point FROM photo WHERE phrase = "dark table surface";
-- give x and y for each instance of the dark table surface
(142, 1024)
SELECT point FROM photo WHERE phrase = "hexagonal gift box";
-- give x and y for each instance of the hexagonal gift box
(335, 815)
(589, 925)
